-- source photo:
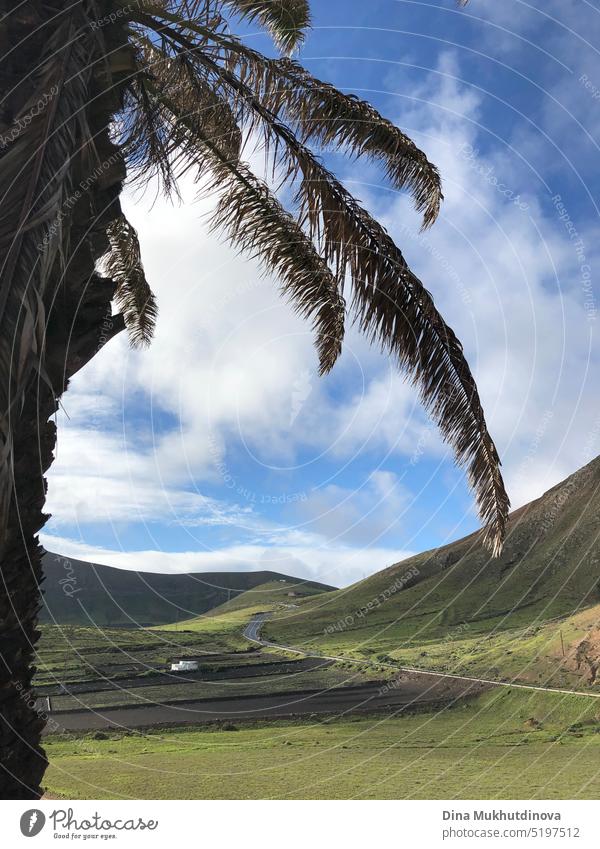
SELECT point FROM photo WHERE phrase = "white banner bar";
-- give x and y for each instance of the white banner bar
(302, 825)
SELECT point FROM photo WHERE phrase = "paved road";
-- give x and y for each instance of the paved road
(252, 632)
(252, 629)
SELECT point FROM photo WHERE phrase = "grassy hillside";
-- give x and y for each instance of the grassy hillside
(458, 608)
(225, 624)
(74, 652)
(504, 744)
(272, 594)
(223, 629)
(80, 593)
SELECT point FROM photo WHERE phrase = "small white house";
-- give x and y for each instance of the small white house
(185, 666)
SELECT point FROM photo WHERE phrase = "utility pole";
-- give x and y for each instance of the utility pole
(562, 645)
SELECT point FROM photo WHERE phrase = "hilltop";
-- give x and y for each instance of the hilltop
(80, 593)
(282, 592)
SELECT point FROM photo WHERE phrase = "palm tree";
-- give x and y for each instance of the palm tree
(94, 87)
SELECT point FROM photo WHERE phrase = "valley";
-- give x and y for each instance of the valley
(445, 672)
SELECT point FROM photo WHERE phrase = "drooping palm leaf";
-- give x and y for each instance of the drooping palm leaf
(318, 112)
(253, 218)
(256, 222)
(286, 20)
(192, 107)
(389, 301)
(314, 110)
(133, 294)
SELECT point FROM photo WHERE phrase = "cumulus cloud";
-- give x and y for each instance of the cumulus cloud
(509, 280)
(335, 565)
(360, 516)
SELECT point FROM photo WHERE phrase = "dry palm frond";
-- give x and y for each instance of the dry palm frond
(313, 109)
(143, 140)
(286, 20)
(133, 294)
(256, 222)
(391, 304)
(146, 138)
(317, 111)
(149, 138)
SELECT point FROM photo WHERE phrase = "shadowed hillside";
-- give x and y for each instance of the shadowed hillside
(76, 592)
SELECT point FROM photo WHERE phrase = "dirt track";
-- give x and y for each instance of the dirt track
(409, 691)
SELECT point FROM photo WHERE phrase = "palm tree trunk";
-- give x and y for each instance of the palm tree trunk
(77, 329)
(78, 323)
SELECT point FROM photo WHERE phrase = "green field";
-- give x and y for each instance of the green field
(279, 593)
(224, 625)
(319, 679)
(531, 615)
(504, 744)
(219, 629)
(73, 653)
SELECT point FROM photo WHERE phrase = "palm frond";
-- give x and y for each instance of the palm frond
(257, 223)
(147, 139)
(259, 226)
(133, 294)
(143, 141)
(313, 109)
(286, 20)
(395, 310)
(391, 304)
(317, 111)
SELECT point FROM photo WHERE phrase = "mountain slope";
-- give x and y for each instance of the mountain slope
(550, 568)
(281, 592)
(76, 592)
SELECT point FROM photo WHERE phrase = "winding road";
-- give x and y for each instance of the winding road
(411, 688)
(252, 633)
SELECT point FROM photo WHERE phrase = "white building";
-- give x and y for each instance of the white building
(185, 666)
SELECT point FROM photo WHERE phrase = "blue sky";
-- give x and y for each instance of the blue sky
(220, 448)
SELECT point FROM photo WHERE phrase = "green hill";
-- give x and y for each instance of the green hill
(457, 607)
(282, 592)
(81, 593)
(225, 624)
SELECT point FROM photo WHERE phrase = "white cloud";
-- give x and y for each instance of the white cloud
(510, 283)
(361, 515)
(97, 479)
(335, 565)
